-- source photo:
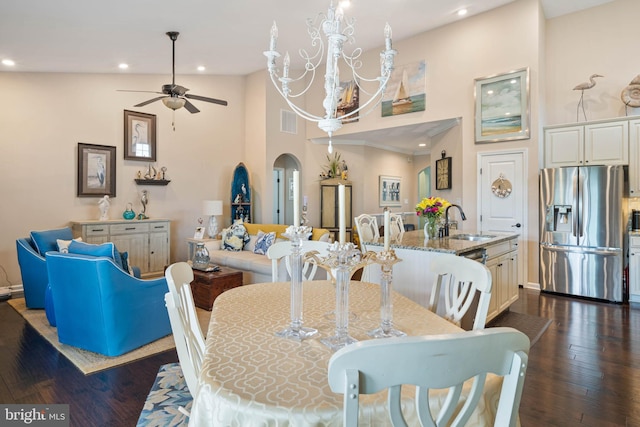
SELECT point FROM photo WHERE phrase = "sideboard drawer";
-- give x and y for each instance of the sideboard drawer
(132, 228)
(97, 230)
(158, 226)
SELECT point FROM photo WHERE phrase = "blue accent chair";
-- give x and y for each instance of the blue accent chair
(101, 308)
(33, 266)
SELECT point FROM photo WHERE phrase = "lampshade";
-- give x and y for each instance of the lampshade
(173, 102)
(212, 207)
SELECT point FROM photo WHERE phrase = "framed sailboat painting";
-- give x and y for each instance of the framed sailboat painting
(406, 90)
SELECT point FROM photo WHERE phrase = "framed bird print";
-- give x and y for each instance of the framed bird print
(139, 136)
(502, 107)
(96, 170)
(443, 173)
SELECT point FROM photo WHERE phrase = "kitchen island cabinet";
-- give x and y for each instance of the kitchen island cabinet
(412, 276)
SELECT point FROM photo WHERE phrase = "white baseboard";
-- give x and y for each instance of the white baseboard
(534, 286)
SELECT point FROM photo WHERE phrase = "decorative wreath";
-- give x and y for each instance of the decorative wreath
(501, 187)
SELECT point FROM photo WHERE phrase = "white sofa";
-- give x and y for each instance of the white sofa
(256, 268)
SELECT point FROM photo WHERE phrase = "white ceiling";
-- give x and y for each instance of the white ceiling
(227, 37)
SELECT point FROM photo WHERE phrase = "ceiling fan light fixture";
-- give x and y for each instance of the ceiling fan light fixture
(173, 102)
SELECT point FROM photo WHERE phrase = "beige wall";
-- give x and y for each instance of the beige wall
(44, 116)
(601, 40)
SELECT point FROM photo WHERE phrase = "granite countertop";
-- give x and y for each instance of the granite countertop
(415, 240)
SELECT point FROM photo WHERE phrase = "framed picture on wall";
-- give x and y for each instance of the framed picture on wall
(389, 190)
(139, 136)
(502, 107)
(96, 170)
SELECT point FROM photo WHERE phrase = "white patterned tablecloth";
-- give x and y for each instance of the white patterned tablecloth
(251, 377)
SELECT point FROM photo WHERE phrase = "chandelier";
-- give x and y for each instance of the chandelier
(337, 30)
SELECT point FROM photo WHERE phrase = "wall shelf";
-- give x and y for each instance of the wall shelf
(152, 181)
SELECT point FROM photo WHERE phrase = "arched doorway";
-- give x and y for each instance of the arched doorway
(282, 182)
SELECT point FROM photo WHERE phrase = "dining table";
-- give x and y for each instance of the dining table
(251, 377)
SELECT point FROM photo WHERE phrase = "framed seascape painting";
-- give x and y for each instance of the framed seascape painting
(405, 91)
(389, 190)
(502, 107)
(139, 136)
(96, 170)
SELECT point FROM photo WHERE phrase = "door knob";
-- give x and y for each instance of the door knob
(518, 225)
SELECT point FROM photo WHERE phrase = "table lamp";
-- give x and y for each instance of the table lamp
(212, 208)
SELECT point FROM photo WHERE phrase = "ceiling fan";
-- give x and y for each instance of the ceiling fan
(175, 96)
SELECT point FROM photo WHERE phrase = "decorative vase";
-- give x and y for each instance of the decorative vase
(201, 258)
(431, 228)
(129, 213)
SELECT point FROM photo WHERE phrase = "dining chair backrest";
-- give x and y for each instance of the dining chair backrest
(184, 322)
(280, 250)
(434, 362)
(396, 227)
(367, 226)
(459, 278)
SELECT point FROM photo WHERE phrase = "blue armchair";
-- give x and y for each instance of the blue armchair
(33, 266)
(101, 308)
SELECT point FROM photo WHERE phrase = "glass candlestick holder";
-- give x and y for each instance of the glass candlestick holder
(342, 262)
(386, 259)
(295, 330)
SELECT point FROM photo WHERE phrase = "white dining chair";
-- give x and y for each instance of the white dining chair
(368, 231)
(282, 250)
(396, 227)
(190, 342)
(459, 279)
(434, 362)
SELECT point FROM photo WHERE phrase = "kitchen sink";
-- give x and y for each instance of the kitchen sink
(471, 237)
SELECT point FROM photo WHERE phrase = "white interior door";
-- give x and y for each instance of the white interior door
(503, 196)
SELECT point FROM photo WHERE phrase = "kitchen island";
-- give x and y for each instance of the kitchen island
(412, 276)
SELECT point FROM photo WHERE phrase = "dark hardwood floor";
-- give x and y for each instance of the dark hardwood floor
(584, 370)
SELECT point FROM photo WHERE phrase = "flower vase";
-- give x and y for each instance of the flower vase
(431, 228)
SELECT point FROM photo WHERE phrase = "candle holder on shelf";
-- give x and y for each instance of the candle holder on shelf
(295, 330)
(386, 259)
(343, 260)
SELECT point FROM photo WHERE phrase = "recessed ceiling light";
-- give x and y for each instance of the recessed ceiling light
(123, 66)
(422, 145)
(201, 68)
(8, 62)
(462, 12)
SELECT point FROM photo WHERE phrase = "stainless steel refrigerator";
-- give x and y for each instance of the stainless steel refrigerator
(582, 231)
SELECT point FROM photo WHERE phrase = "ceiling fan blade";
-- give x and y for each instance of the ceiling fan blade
(190, 107)
(141, 91)
(205, 99)
(142, 104)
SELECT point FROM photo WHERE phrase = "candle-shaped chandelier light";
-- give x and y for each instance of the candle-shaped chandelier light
(337, 30)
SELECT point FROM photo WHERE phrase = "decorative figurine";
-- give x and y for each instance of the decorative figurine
(163, 170)
(144, 200)
(104, 208)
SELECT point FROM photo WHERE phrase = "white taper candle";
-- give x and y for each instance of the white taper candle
(342, 215)
(296, 198)
(386, 230)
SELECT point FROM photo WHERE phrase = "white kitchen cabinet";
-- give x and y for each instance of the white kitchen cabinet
(634, 267)
(594, 143)
(502, 262)
(146, 241)
(634, 158)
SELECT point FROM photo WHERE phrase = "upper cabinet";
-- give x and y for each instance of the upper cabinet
(595, 143)
(634, 158)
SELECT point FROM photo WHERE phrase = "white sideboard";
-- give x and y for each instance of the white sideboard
(146, 241)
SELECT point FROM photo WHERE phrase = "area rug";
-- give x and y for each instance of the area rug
(87, 362)
(532, 326)
(168, 394)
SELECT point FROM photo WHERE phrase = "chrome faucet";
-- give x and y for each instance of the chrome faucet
(446, 218)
